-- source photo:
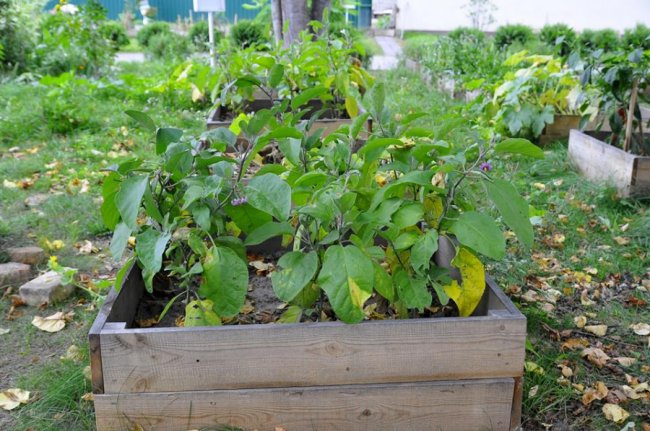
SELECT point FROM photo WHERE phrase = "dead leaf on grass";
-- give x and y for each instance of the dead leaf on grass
(566, 371)
(598, 330)
(620, 240)
(598, 392)
(533, 391)
(626, 362)
(53, 323)
(641, 328)
(532, 367)
(575, 343)
(12, 398)
(73, 354)
(596, 356)
(635, 392)
(4, 331)
(580, 321)
(615, 413)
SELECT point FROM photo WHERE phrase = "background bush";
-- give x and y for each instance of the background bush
(607, 40)
(506, 35)
(560, 36)
(467, 33)
(169, 46)
(16, 39)
(247, 33)
(637, 37)
(115, 34)
(199, 35)
(147, 32)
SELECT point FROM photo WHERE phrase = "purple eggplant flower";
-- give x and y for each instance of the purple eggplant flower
(239, 201)
(485, 167)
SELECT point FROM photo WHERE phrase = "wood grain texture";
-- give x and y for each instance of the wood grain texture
(449, 406)
(601, 162)
(517, 399)
(312, 354)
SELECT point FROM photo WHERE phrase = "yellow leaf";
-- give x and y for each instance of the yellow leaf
(433, 207)
(88, 396)
(599, 330)
(53, 323)
(469, 294)
(615, 413)
(12, 398)
(532, 367)
(351, 106)
(57, 244)
(598, 392)
(580, 321)
(596, 356)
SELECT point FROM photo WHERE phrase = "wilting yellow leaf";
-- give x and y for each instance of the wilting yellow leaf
(53, 323)
(599, 330)
(57, 244)
(596, 356)
(12, 398)
(532, 367)
(615, 413)
(575, 343)
(641, 328)
(469, 294)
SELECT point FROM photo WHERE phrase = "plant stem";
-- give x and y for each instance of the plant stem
(630, 116)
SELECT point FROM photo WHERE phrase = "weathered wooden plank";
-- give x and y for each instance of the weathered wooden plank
(517, 399)
(601, 162)
(462, 405)
(312, 354)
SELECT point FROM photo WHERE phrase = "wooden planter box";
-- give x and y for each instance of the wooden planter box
(421, 374)
(600, 162)
(328, 124)
(559, 128)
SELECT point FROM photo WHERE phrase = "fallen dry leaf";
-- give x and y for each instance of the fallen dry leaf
(73, 354)
(533, 391)
(575, 343)
(641, 328)
(596, 356)
(615, 413)
(580, 321)
(4, 331)
(598, 392)
(53, 323)
(599, 330)
(620, 240)
(635, 392)
(87, 372)
(532, 367)
(89, 396)
(12, 398)
(566, 371)
(626, 362)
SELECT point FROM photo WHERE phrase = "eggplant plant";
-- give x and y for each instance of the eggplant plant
(355, 223)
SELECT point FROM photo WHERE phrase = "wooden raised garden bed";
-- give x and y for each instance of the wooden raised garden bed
(560, 128)
(599, 161)
(420, 374)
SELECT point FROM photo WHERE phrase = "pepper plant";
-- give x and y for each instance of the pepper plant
(355, 224)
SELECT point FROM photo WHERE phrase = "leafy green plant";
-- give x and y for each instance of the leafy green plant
(246, 33)
(467, 34)
(169, 46)
(147, 32)
(16, 37)
(528, 98)
(67, 105)
(115, 33)
(357, 224)
(200, 37)
(560, 36)
(636, 38)
(506, 35)
(606, 39)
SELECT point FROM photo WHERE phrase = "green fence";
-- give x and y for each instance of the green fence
(169, 10)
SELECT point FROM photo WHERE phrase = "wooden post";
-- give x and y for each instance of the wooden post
(630, 116)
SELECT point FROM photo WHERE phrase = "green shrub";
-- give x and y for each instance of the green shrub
(199, 35)
(16, 40)
(150, 30)
(170, 46)
(247, 33)
(560, 36)
(337, 29)
(115, 34)
(607, 40)
(506, 35)
(468, 34)
(637, 37)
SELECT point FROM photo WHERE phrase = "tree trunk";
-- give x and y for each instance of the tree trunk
(276, 14)
(317, 8)
(295, 13)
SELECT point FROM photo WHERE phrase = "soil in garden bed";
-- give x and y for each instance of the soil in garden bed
(262, 305)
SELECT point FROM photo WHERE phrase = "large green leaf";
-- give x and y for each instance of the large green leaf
(267, 231)
(423, 250)
(119, 240)
(109, 211)
(481, 233)
(384, 283)
(166, 136)
(519, 146)
(271, 194)
(412, 292)
(201, 313)
(307, 95)
(513, 209)
(295, 271)
(129, 197)
(408, 215)
(143, 119)
(347, 277)
(149, 247)
(225, 280)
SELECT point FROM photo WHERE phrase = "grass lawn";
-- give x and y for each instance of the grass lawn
(590, 262)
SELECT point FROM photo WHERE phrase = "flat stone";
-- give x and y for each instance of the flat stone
(26, 255)
(14, 274)
(46, 288)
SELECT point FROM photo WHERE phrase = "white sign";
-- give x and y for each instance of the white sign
(209, 5)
